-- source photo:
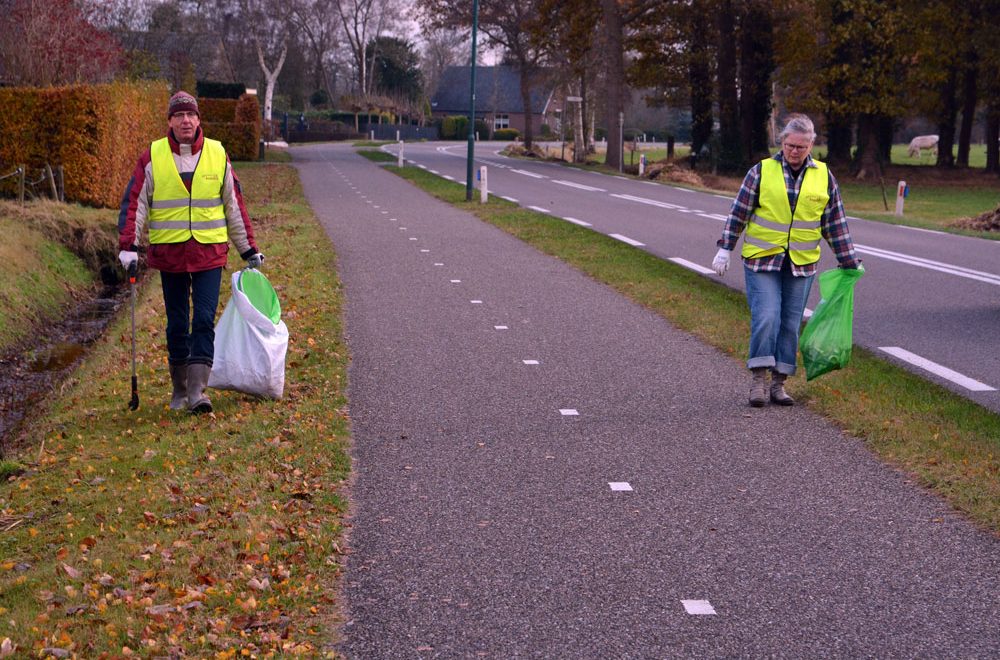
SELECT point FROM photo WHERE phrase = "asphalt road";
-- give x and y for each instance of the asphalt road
(929, 301)
(544, 469)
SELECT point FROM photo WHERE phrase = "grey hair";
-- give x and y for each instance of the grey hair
(799, 124)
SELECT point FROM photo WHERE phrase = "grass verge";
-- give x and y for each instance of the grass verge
(157, 533)
(946, 442)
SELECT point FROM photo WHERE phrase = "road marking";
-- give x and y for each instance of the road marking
(450, 178)
(509, 199)
(939, 266)
(500, 327)
(578, 222)
(626, 239)
(425, 250)
(476, 302)
(393, 219)
(698, 607)
(413, 238)
(573, 184)
(539, 209)
(456, 281)
(568, 412)
(385, 213)
(438, 264)
(434, 172)
(693, 266)
(722, 196)
(423, 167)
(376, 206)
(620, 486)
(531, 174)
(714, 216)
(650, 202)
(928, 231)
(937, 369)
(530, 361)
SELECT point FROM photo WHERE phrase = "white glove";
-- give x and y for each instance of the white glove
(255, 260)
(721, 262)
(128, 258)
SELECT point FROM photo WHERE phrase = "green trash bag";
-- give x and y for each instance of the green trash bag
(261, 294)
(827, 339)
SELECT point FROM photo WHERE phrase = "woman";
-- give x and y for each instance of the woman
(787, 203)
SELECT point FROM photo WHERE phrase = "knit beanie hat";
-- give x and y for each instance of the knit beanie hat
(182, 102)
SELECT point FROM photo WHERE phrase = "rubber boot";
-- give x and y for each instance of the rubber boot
(197, 381)
(178, 376)
(778, 394)
(758, 387)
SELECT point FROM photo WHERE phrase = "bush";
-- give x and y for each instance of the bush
(506, 134)
(214, 110)
(95, 132)
(219, 90)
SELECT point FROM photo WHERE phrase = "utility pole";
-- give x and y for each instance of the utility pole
(472, 105)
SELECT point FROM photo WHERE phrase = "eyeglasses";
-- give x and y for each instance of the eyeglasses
(796, 147)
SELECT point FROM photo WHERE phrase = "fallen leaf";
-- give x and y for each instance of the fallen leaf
(72, 572)
(7, 647)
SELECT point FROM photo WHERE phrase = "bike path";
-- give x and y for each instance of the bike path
(484, 521)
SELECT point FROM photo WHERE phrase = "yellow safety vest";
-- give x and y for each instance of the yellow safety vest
(177, 215)
(773, 228)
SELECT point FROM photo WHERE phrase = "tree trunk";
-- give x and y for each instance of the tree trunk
(867, 165)
(729, 159)
(886, 129)
(700, 80)
(526, 83)
(838, 140)
(969, 100)
(614, 79)
(756, 67)
(579, 142)
(993, 138)
(946, 120)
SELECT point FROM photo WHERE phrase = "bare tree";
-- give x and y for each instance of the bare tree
(318, 21)
(442, 48)
(363, 21)
(269, 23)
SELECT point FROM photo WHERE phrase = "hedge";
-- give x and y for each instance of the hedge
(235, 123)
(95, 132)
(219, 90)
(506, 134)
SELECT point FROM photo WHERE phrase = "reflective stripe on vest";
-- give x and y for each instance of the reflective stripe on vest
(175, 215)
(773, 228)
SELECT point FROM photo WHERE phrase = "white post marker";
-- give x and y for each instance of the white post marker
(399, 159)
(642, 164)
(397, 137)
(484, 191)
(373, 136)
(901, 191)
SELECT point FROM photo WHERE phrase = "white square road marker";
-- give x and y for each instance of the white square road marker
(620, 486)
(530, 361)
(698, 607)
(567, 412)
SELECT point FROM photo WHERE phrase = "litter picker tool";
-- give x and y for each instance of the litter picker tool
(133, 403)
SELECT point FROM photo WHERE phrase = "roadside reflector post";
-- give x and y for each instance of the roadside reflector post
(642, 164)
(397, 137)
(399, 158)
(901, 192)
(484, 193)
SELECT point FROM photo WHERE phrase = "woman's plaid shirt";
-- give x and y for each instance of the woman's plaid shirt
(833, 224)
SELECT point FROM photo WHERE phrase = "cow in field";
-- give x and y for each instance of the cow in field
(921, 142)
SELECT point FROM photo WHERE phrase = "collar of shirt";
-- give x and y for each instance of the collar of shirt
(781, 159)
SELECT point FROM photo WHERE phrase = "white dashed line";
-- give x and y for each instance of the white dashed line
(937, 369)
(650, 202)
(456, 281)
(578, 222)
(620, 486)
(573, 184)
(476, 302)
(693, 266)
(713, 216)
(531, 174)
(626, 239)
(450, 178)
(702, 607)
(539, 209)
(425, 250)
(413, 238)
(500, 327)
(438, 264)
(509, 199)
(434, 172)
(568, 412)
(530, 361)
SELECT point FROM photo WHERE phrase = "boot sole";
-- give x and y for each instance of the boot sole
(758, 403)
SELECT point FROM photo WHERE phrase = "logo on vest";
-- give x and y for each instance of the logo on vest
(815, 198)
(210, 177)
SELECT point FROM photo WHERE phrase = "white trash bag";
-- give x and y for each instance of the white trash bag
(250, 339)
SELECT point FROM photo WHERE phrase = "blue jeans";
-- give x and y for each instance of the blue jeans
(777, 301)
(191, 338)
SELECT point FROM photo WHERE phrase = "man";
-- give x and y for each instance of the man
(185, 191)
(786, 204)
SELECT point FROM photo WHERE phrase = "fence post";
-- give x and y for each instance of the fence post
(52, 181)
(484, 192)
(901, 191)
(399, 157)
(22, 170)
(61, 182)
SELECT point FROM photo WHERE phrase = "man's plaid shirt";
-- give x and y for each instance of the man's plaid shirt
(833, 224)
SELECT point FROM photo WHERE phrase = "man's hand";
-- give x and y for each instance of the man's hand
(721, 262)
(255, 260)
(128, 259)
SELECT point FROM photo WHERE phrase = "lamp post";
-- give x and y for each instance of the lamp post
(472, 104)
